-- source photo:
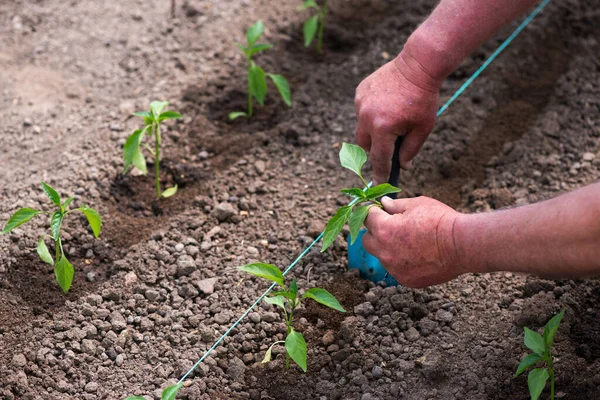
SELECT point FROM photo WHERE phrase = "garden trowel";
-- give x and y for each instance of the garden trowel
(358, 258)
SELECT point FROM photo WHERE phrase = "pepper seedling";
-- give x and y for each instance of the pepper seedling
(315, 25)
(168, 394)
(353, 158)
(541, 345)
(257, 82)
(287, 299)
(132, 153)
(63, 269)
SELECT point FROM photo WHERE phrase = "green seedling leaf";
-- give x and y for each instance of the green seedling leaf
(537, 382)
(93, 218)
(236, 114)
(295, 345)
(310, 29)
(156, 108)
(551, 328)
(169, 192)
(322, 296)
(66, 204)
(254, 32)
(267, 271)
(527, 362)
(354, 192)
(356, 220)
(283, 293)
(276, 300)
(257, 83)
(143, 114)
(171, 392)
(132, 153)
(283, 87)
(51, 193)
(20, 217)
(335, 226)
(534, 341)
(43, 252)
(257, 48)
(380, 190)
(168, 115)
(55, 224)
(353, 157)
(308, 4)
(64, 272)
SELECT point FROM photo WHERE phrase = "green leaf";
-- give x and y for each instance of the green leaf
(51, 193)
(324, 297)
(308, 4)
(254, 32)
(283, 87)
(551, 328)
(310, 29)
(353, 157)
(380, 190)
(143, 114)
(236, 114)
(55, 224)
(169, 115)
(258, 48)
(67, 203)
(294, 289)
(354, 192)
(131, 151)
(93, 218)
(19, 218)
(169, 192)
(276, 300)
(356, 220)
(534, 341)
(257, 83)
(139, 161)
(295, 345)
(171, 392)
(63, 270)
(43, 252)
(335, 226)
(156, 107)
(283, 293)
(262, 270)
(527, 362)
(244, 50)
(537, 382)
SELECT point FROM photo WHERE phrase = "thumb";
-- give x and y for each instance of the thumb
(394, 206)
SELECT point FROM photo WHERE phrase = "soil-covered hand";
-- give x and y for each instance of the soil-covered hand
(398, 99)
(413, 240)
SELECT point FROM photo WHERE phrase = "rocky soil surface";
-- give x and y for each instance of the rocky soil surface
(160, 285)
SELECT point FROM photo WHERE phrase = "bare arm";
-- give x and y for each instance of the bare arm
(401, 98)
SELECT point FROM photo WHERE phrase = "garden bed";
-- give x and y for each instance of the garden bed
(160, 285)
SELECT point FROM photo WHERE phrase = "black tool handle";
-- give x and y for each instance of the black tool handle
(395, 171)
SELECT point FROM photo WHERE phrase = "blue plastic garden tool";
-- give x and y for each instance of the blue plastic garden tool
(358, 258)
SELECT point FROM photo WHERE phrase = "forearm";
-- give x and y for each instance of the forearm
(557, 237)
(453, 30)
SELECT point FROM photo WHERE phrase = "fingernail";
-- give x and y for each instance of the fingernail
(408, 165)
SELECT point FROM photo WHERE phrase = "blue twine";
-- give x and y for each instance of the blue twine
(464, 86)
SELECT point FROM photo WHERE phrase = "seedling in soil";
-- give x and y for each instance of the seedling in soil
(315, 25)
(63, 270)
(287, 299)
(257, 82)
(168, 394)
(132, 152)
(353, 158)
(541, 345)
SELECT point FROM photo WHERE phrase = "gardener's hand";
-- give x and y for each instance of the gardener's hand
(413, 240)
(398, 99)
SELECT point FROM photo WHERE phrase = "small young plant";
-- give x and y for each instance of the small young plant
(353, 158)
(168, 394)
(257, 82)
(541, 345)
(315, 25)
(288, 300)
(63, 269)
(132, 152)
